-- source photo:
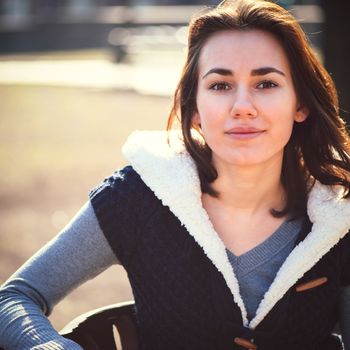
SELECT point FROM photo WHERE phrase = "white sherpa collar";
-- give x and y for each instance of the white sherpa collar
(171, 174)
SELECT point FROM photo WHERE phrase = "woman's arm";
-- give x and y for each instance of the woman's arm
(345, 316)
(77, 254)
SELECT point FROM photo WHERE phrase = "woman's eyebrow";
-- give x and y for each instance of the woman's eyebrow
(255, 72)
(221, 71)
(266, 70)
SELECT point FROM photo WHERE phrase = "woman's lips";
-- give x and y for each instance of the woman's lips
(241, 133)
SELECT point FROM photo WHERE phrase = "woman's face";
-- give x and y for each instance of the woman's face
(246, 102)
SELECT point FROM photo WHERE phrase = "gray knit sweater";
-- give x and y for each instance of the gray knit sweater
(29, 295)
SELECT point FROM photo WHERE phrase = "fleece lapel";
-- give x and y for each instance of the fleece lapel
(330, 216)
(171, 174)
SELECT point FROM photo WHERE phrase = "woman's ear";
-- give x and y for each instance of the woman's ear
(301, 114)
(196, 120)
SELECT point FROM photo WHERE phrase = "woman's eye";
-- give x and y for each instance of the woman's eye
(220, 86)
(266, 85)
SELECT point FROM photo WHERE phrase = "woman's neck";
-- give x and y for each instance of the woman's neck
(250, 189)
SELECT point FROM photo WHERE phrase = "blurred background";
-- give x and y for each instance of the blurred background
(76, 77)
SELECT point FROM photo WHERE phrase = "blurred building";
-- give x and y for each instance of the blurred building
(59, 7)
(44, 25)
(20, 7)
(40, 25)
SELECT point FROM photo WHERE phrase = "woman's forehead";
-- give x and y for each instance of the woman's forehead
(237, 49)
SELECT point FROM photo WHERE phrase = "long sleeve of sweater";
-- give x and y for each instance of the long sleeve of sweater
(78, 253)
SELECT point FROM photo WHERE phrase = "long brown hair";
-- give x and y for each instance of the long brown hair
(318, 148)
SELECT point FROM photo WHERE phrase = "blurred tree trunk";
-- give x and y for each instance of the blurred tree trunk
(337, 49)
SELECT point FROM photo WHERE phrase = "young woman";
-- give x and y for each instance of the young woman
(233, 231)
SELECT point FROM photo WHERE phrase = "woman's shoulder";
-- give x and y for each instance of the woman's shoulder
(122, 204)
(123, 193)
(122, 183)
(329, 212)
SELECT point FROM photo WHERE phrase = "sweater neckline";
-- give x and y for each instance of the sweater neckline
(288, 231)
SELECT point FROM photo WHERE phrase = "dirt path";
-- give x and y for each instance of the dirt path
(56, 144)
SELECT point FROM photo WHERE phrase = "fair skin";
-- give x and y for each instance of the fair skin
(246, 108)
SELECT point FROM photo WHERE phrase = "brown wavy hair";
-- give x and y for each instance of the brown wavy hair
(318, 148)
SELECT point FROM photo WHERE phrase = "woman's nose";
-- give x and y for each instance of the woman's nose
(243, 106)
